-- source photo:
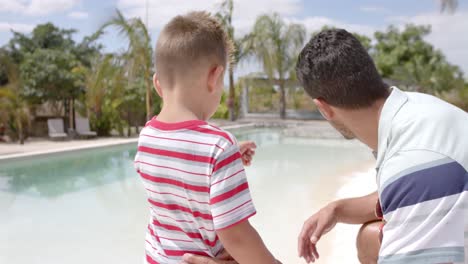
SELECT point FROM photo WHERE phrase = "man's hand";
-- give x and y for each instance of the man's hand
(247, 150)
(317, 225)
(223, 258)
(357, 210)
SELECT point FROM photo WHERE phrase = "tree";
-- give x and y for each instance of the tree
(47, 58)
(13, 108)
(139, 52)
(48, 75)
(405, 56)
(225, 16)
(44, 36)
(276, 44)
(105, 85)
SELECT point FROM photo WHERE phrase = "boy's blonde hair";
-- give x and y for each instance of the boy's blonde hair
(188, 42)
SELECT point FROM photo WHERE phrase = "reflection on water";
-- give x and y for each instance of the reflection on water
(90, 207)
(65, 173)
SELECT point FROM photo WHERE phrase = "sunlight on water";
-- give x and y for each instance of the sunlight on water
(89, 206)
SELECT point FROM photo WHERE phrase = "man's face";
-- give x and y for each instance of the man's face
(347, 134)
(329, 114)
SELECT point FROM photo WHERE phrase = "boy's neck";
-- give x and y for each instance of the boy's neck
(173, 112)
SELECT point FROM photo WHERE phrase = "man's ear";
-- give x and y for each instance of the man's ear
(325, 109)
(157, 85)
(214, 75)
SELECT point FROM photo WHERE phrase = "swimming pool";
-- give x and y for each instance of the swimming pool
(89, 206)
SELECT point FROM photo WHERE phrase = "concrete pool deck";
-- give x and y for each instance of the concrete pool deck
(44, 146)
(37, 147)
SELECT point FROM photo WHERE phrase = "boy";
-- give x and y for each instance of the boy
(192, 171)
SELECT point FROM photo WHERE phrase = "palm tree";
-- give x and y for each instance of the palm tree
(241, 50)
(13, 108)
(277, 44)
(105, 86)
(225, 16)
(98, 83)
(139, 51)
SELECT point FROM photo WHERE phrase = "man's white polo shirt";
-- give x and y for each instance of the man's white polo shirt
(422, 164)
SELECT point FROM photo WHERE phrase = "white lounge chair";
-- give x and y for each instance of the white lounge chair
(82, 127)
(56, 128)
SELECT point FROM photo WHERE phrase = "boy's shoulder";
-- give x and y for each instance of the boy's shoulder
(223, 137)
(195, 131)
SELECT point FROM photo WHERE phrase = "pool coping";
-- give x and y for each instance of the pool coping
(117, 142)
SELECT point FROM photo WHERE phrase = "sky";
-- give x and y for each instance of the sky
(449, 32)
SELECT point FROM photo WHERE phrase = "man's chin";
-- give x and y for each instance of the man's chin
(344, 131)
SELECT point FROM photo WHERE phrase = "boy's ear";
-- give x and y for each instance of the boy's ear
(325, 109)
(215, 73)
(157, 85)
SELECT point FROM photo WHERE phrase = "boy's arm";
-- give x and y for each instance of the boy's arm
(231, 206)
(245, 245)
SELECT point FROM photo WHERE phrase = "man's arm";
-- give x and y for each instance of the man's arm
(358, 210)
(245, 245)
(350, 211)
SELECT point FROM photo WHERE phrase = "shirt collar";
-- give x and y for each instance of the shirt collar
(391, 107)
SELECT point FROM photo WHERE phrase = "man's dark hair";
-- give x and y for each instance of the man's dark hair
(335, 67)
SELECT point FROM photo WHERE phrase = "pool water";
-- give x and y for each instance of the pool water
(90, 207)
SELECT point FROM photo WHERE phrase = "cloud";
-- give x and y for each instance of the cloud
(374, 9)
(24, 28)
(78, 15)
(448, 33)
(245, 11)
(447, 30)
(316, 23)
(36, 7)
(11, 5)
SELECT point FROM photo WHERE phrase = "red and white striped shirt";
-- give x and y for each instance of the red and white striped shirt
(196, 184)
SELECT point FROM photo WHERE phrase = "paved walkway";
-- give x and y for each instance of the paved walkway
(44, 146)
(40, 146)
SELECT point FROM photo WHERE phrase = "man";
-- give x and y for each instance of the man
(421, 147)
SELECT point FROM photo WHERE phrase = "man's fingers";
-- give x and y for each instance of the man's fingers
(314, 251)
(307, 253)
(194, 259)
(224, 255)
(317, 234)
(304, 237)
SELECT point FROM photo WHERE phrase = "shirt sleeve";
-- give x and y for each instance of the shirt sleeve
(230, 198)
(423, 196)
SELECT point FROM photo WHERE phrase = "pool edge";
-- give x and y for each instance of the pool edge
(120, 141)
(12, 157)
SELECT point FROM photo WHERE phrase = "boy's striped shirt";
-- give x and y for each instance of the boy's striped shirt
(196, 184)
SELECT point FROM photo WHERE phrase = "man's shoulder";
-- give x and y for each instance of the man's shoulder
(429, 124)
(425, 109)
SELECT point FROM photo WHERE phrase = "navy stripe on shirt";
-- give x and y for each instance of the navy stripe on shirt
(424, 185)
